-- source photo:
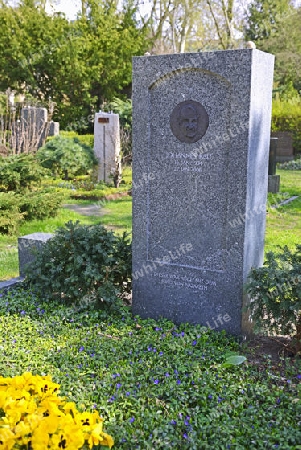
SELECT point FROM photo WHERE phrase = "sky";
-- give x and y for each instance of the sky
(69, 7)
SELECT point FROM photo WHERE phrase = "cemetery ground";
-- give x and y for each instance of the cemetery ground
(156, 384)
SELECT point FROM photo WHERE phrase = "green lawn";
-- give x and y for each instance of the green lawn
(283, 225)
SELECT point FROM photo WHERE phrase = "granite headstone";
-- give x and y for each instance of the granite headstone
(28, 246)
(201, 134)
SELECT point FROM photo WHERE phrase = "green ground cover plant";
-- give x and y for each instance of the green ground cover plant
(157, 385)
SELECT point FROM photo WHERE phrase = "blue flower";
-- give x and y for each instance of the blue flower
(118, 385)
(173, 422)
(81, 349)
(132, 419)
(115, 375)
(178, 381)
(161, 353)
(156, 381)
(22, 313)
(185, 436)
(210, 396)
(299, 376)
(167, 374)
(194, 342)
(127, 393)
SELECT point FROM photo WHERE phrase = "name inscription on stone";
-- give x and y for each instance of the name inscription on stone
(194, 283)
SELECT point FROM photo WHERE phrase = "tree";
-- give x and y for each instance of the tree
(264, 17)
(275, 28)
(78, 65)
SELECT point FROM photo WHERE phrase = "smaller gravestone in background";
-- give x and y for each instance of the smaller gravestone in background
(27, 246)
(107, 145)
(273, 180)
(34, 127)
(285, 151)
(54, 128)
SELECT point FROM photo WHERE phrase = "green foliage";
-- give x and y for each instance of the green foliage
(40, 205)
(286, 116)
(275, 292)
(65, 156)
(157, 385)
(20, 173)
(264, 18)
(79, 64)
(87, 139)
(82, 261)
(234, 360)
(10, 215)
(275, 27)
(291, 165)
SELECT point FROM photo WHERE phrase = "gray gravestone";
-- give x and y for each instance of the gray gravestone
(27, 247)
(273, 179)
(201, 134)
(285, 151)
(54, 128)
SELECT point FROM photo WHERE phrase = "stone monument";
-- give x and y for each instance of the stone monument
(107, 145)
(201, 134)
(27, 246)
(273, 179)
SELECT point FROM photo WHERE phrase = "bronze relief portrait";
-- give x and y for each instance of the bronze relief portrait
(189, 121)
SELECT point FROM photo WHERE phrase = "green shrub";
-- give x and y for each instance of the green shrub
(286, 116)
(87, 139)
(275, 292)
(41, 205)
(20, 173)
(291, 165)
(66, 156)
(10, 215)
(80, 262)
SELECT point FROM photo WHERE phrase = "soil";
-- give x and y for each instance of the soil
(276, 351)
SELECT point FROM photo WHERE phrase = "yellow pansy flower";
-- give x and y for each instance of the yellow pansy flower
(7, 439)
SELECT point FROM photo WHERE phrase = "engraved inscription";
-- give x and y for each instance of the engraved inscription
(189, 121)
(194, 283)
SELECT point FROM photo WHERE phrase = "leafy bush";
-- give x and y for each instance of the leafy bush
(275, 292)
(82, 261)
(45, 420)
(20, 173)
(286, 116)
(41, 205)
(65, 156)
(291, 165)
(10, 215)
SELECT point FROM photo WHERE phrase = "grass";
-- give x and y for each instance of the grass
(156, 384)
(283, 226)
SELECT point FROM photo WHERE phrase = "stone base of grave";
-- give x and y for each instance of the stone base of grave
(27, 247)
(274, 183)
(8, 285)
